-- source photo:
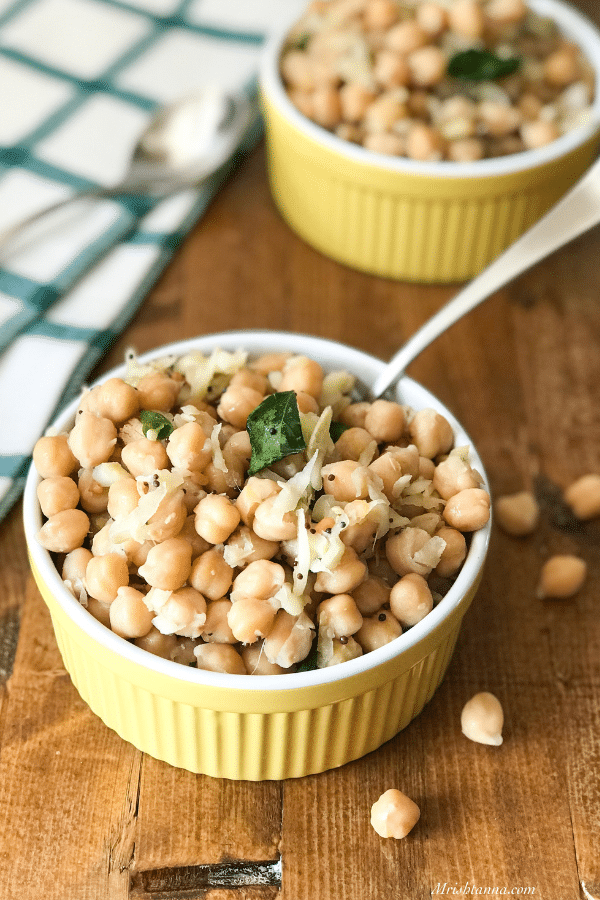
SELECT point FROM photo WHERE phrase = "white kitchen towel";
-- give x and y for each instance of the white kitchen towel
(79, 80)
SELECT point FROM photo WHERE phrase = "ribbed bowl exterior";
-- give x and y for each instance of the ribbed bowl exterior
(289, 737)
(403, 225)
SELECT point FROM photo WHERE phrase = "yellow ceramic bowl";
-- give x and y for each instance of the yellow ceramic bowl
(272, 727)
(420, 221)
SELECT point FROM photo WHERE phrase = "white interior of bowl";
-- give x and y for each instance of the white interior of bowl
(571, 22)
(333, 356)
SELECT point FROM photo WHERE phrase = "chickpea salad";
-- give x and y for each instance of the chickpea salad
(431, 80)
(249, 516)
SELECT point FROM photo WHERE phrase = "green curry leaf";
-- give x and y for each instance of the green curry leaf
(275, 430)
(336, 430)
(481, 65)
(155, 421)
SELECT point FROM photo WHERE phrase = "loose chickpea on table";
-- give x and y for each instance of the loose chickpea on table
(246, 516)
(460, 80)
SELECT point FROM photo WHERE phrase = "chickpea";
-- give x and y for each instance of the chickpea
(238, 451)
(249, 378)
(92, 439)
(583, 496)
(289, 640)
(251, 618)
(468, 510)
(327, 107)
(466, 150)
(302, 374)
(184, 613)
(342, 650)
(390, 70)
(270, 362)
(562, 67)
(411, 600)
(427, 66)
(123, 497)
(385, 421)
(189, 448)
(539, 133)
(401, 549)
(158, 391)
(298, 71)
(144, 457)
(406, 37)
(271, 525)
(426, 468)
(137, 553)
(188, 532)
(432, 17)
(506, 12)
(251, 496)
(211, 575)
(453, 475)
(354, 99)
(168, 564)
(482, 719)
(115, 400)
(498, 119)
(164, 645)
(339, 616)
(253, 547)
(73, 570)
(353, 442)
(378, 630)
(261, 579)
(394, 814)
(216, 628)
(424, 143)
(466, 18)
(56, 494)
(517, 514)
(229, 482)
(380, 14)
(236, 404)
(431, 433)
(104, 576)
(184, 651)
(219, 658)
(346, 576)
(355, 414)
(169, 518)
(361, 535)
(289, 465)
(530, 106)
(384, 142)
(100, 611)
(384, 112)
(453, 554)
(129, 616)
(306, 403)
(561, 577)
(93, 496)
(216, 518)
(53, 457)
(371, 595)
(345, 480)
(256, 661)
(64, 531)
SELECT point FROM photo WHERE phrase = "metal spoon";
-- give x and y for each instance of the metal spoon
(184, 143)
(574, 214)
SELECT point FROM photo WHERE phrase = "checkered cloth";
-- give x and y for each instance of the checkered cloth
(79, 80)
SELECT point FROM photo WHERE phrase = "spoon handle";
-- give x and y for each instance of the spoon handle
(574, 214)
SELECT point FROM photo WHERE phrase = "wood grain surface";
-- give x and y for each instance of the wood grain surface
(85, 816)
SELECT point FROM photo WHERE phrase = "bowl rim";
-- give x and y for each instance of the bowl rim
(257, 341)
(575, 25)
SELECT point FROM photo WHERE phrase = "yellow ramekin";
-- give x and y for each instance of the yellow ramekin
(243, 727)
(419, 221)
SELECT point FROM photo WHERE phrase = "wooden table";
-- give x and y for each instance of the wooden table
(85, 816)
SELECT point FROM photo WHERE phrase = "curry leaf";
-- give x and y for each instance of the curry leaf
(155, 421)
(336, 430)
(275, 430)
(481, 65)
